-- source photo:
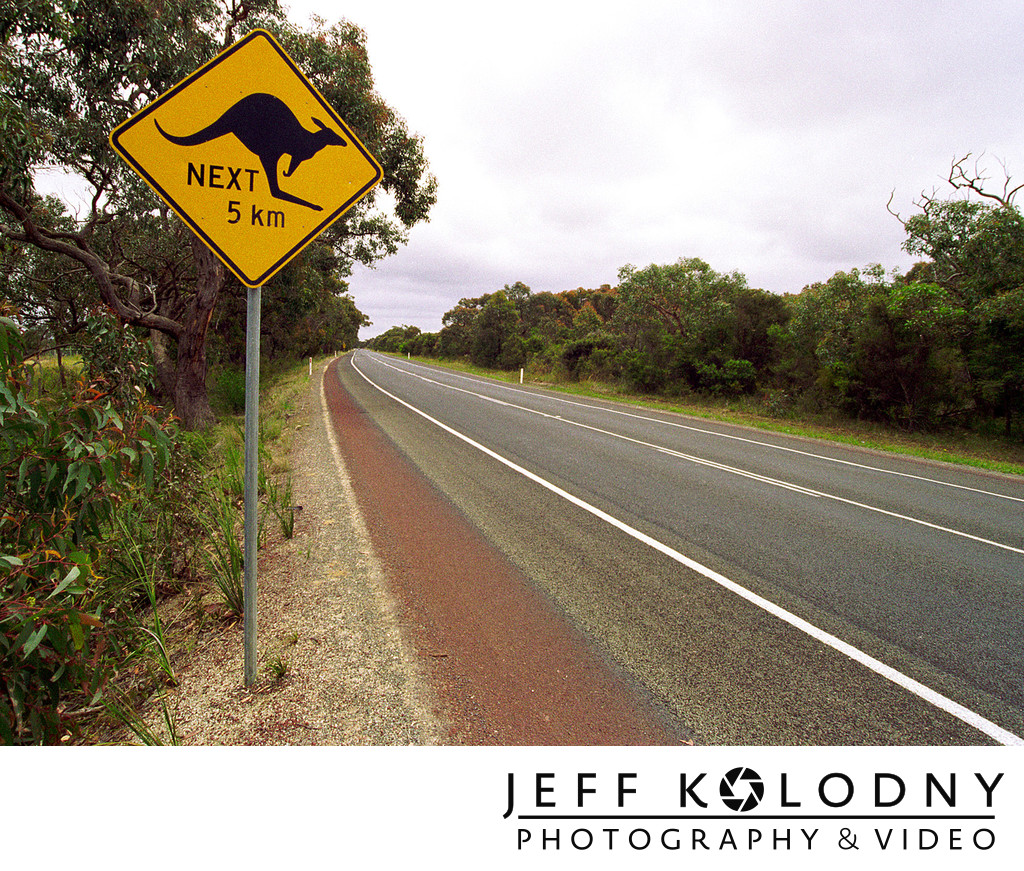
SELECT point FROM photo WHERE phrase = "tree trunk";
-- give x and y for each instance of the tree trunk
(165, 363)
(60, 368)
(191, 401)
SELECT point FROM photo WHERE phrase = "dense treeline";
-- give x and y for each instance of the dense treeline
(307, 311)
(939, 346)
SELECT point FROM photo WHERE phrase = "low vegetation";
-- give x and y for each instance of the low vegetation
(118, 546)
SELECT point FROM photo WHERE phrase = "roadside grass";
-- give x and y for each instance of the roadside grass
(992, 453)
(281, 388)
(188, 573)
(46, 375)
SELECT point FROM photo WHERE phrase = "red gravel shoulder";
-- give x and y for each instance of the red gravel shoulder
(506, 665)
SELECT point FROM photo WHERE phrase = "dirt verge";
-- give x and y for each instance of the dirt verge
(333, 665)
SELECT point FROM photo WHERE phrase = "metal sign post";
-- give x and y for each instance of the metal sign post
(252, 459)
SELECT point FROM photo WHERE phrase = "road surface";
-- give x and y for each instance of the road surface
(760, 589)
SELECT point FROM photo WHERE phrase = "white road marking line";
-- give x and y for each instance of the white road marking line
(955, 709)
(720, 466)
(737, 438)
(773, 481)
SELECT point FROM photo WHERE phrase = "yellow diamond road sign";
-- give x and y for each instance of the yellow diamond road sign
(249, 155)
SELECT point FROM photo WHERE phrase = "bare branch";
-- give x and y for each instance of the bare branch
(1008, 194)
(975, 181)
(895, 214)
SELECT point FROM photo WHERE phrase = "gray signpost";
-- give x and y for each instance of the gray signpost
(252, 459)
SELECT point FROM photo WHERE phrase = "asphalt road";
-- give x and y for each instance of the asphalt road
(767, 589)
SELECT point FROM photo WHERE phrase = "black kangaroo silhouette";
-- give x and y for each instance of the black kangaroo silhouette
(269, 129)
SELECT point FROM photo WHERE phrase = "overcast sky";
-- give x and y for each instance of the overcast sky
(570, 138)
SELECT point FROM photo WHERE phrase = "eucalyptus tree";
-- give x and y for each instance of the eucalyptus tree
(878, 346)
(73, 70)
(685, 316)
(974, 240)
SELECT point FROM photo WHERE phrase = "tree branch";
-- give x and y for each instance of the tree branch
(78, 249)
(889, 209)
(960, 180)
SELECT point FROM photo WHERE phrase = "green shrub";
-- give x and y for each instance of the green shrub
(66, 467)
(229, 390)
(641, 373)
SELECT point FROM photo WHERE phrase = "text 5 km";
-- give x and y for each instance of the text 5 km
(256, 217)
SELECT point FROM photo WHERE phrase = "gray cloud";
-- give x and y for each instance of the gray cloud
(569, 138)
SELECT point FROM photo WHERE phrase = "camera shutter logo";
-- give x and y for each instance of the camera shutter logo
(741, 789)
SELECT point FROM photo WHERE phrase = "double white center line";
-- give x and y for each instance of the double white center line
(796, 488)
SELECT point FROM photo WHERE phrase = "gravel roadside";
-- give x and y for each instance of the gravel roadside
(334, 668)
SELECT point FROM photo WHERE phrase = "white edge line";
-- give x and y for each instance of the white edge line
(994, 731)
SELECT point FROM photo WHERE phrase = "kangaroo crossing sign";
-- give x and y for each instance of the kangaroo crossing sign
(249, 155)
